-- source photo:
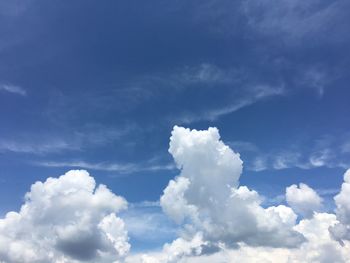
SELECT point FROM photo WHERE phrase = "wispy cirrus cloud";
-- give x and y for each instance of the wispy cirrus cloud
(52, 146)
(298, 21)
(13, 89)
(235, 88)
(124, 168)
(208, 74)
(78, 139)
(258, 93)
(323, 152)
(291, 159)
(248, 98)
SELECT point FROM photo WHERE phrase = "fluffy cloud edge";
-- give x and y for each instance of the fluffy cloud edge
(65, 219)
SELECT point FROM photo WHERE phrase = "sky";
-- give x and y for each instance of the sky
(102, 86)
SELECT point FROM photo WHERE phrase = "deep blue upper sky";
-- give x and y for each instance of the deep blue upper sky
(100, 84)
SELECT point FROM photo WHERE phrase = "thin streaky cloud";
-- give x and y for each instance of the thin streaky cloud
(125, 168)
(36, 148)
(256, 94)
(288, 160)
(13, 89)
(76, 140)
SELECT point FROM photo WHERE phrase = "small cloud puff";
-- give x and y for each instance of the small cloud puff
(13, 89)
(303, 199)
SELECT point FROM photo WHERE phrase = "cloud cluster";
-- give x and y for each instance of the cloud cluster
(222, 221)
(320, 247)
(70, 219)
(65, 219)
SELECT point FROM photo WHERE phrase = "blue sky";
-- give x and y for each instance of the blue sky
(99, 85)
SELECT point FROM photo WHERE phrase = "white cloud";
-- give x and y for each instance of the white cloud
(180, 248)
(259, 164)
(70, 219)
(303, 199)
(318, 248)
(297, 158)
(324, 151)
(13, 89)
(224, 222)
(285, 160)
(50, 146)
(65, 219)
(68, 140)
(206, 196)
(341, 231)
(174, 252)
(320, 158)
(125, 168)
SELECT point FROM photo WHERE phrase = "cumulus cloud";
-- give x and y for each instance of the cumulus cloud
(65, 219)
(223, 221)
(303, 199)
(206, 197)
(70, 219)
(183, 247)
(318, 248)
(341, 231)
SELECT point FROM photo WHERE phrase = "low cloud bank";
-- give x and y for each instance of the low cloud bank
(70, 219)
(223, 221)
